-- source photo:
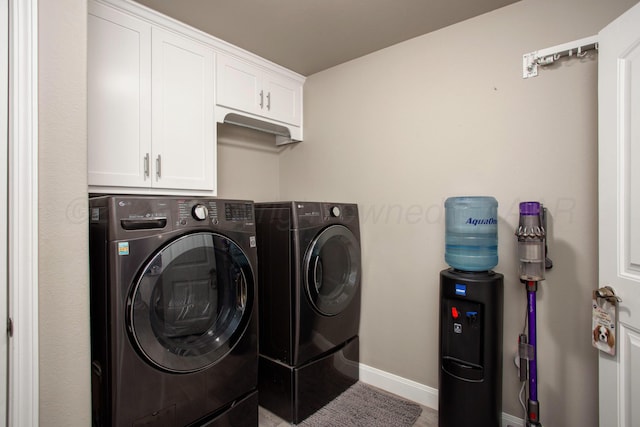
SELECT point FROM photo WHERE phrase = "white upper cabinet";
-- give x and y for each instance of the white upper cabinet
(151, 118)
(119, 98)
(182, 125)
(156, 88)
(249, 88)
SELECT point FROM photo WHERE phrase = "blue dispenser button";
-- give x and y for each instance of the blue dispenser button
(461, 290)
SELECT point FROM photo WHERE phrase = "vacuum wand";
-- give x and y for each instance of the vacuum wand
(531, 251)
(533, 411)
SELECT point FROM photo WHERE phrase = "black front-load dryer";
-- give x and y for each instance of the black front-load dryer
(173, 311)
(310, 287)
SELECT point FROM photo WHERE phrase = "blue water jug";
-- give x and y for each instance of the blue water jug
(471, 237)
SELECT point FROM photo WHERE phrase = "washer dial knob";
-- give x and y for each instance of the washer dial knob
(334, 211)
(200, 212)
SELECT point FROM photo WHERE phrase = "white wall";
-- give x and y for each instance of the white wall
(449, 114)
(248, 164)
(65, 392)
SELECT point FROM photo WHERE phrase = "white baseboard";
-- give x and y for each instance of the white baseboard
(511, 421)
(414, 391)
(410, 390)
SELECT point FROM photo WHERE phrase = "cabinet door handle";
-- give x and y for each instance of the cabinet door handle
(146, 166)
(261, 99)
(158, 167)
(269, 101)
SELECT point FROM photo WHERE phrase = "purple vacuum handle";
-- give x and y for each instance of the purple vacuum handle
(530, 208)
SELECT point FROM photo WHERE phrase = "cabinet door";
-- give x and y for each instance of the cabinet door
(283, 98)
(183, 125)
(119, 98)
(239, 85)
(248, 88)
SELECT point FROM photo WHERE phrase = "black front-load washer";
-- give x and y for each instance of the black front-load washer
(310, 274)
(173, 311)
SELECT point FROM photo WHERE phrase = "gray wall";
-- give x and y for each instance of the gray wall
(449, 114)
(397, 131)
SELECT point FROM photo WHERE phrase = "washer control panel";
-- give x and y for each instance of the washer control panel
(238, 211)
(199, 212)
(192, 212)
(150, 214)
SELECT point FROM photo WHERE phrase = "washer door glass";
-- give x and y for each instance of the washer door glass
(332, 266)
(192, 302)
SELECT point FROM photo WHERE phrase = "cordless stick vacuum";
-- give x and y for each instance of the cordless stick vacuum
(532, 254)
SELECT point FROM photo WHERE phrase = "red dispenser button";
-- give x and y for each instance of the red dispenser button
(455, 313)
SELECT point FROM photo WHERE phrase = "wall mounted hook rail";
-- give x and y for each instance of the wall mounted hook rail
(577, 48)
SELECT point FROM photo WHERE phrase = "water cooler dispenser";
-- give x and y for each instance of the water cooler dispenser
(471, 310)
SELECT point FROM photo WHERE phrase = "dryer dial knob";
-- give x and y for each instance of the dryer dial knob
(335, 211)
(200, 212)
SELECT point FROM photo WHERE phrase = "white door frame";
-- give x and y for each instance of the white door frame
(4, 165)
(22, 247)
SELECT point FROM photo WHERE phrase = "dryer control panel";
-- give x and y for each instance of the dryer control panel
(317, 213)
(344, 211)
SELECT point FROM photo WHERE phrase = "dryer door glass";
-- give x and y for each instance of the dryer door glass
(332, 266)
(192, 302)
